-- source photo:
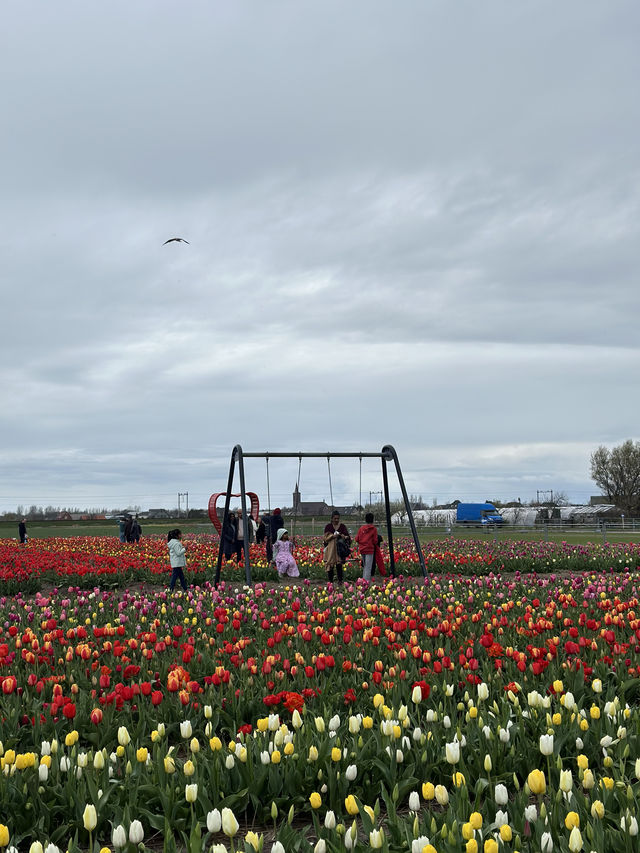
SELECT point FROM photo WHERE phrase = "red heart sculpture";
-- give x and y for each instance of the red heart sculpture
(213, 500)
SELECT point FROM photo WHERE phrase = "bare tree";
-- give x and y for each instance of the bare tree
(617, 473)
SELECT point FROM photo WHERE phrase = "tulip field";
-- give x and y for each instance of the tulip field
(492, 706)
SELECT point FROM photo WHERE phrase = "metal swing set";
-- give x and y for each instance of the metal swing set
(386, 455)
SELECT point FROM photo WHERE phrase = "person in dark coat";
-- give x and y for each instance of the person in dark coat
(127, 529)
(275, 523)
(261, 531)
(22, 531)
(136, 530)
(229, 536)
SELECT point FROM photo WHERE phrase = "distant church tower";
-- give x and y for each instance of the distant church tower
(296, 498)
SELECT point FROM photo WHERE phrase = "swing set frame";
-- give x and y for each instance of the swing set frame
(386, 455)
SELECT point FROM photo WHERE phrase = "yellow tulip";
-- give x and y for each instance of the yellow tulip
(428, 791)
(490, 846)
(537, 782)
(142, 754)
(315, 800)
(475, 819)
(367, 722)
(253, 839)
(572, 819)
(594, 712)
(505, 832)
(189, 768)
(583, 761)
(350, 805)
(4, 835)
(169, 764)
(472, 846)
(597, 809)
(276, 757)
(607, 781)
(459, 780)
(215, 744)
(467, 831)
(336, 754)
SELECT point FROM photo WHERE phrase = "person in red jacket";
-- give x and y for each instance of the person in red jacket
(367, 539)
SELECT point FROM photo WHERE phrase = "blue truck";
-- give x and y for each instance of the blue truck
(484, 513)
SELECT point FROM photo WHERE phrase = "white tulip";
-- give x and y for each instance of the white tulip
(483, 691)
(214, 820)
(502, 818)
(418, 844)
(452, 752)
(442, 795)
(277, 847)
(334, 723)
(414, 801)
(575, 840)
(351, 772)
(330, 820)
(230, 825)
(136, 832)
(546, 744)
(351, 836)
(501, 795)
(321, 846)
(124, 738)
(119, 836)
(546, 843)
(191, 792)
(531, 813)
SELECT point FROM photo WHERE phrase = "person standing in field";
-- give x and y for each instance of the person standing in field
(261, 531)
(121, 525)
(229, 536)
(127, 529)
(22, 531)
(177, 558)
(136, 530)
(275, 523)
(244, 529)
(367, 539)
(337, 543)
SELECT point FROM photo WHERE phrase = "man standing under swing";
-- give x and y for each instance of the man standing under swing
(337, 544)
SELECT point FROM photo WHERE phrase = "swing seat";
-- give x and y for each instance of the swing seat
(213, 500)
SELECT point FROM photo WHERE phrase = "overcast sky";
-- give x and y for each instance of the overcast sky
(409, 223)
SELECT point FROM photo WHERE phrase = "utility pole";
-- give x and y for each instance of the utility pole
(186, 496)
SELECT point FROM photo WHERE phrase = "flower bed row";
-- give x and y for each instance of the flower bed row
(87, 561)
(466, 713)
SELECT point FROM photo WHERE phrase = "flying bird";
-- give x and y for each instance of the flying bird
(176, 240)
